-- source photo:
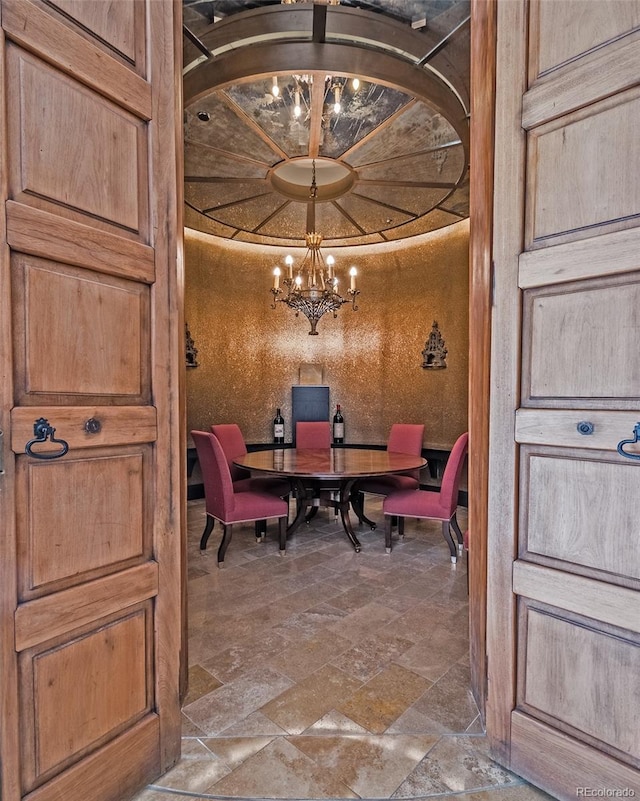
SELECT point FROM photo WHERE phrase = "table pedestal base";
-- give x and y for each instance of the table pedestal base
(325, 498)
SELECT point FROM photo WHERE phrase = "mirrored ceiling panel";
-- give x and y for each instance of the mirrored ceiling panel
(400, 152)
(418, 128)
(270, 106)
(362, 107)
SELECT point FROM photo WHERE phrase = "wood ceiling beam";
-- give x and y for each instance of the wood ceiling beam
(196, 42)
(316, 113)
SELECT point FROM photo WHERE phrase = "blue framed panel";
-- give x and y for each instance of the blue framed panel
(308, 403)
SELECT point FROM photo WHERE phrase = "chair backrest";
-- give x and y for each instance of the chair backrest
(407, 438)
(453, 472)
(218, 487)
(230, 437)
(313, 434)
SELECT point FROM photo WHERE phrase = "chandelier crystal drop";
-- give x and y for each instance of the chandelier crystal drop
(312, 288)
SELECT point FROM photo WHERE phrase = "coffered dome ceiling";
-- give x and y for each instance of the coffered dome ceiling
(391, 160)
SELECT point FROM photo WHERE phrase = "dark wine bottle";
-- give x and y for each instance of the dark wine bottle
(338, 427)
(278, 428)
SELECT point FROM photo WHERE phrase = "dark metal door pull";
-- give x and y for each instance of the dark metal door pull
(41, 432)
(623, 442)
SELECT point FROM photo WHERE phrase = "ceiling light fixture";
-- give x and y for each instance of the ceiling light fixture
(337, 97)
(296, 94)
(314, 288)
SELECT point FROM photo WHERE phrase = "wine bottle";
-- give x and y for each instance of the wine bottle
(338, 427)
(278, 428)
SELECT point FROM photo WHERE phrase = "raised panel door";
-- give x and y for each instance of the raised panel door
(564, 580)
(92, 344)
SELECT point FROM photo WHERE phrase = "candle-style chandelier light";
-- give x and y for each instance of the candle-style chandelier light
(312, 288)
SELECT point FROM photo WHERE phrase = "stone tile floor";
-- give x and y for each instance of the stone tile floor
(331, 674)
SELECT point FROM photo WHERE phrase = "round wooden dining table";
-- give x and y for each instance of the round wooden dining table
(338, 468)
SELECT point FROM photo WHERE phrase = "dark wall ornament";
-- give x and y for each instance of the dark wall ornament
(434, 355)
(192, 351)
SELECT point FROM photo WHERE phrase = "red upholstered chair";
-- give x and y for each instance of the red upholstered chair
(230, 507)
(424, 504)
(230, 437)
(313, 434)
(403, 438)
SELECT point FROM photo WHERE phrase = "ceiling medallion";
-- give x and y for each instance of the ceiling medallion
(314, 289)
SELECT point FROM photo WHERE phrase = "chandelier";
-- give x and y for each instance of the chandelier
(313, 290)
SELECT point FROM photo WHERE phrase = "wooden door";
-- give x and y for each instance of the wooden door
(564, 513)
(92, 342)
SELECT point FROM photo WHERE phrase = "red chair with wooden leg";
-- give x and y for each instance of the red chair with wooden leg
(227, 506)
(403, 438)
(230, 437)
(426, 505)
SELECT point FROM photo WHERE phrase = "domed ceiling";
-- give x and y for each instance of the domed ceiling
(372, 97)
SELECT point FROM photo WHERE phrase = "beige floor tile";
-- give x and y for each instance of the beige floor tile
(254, 724)
(422, 619)
(434, 655)
(446, 707)
(364, 621)
(265, 625)
(475, 727)
(355, 598)
(246, 656)
(232, 702)
(395, 577)
(455, 764)
(189, 728)
(309, 597)
(306, 625)
(280, 770)
(195, 772)
(343, 580)
(299, 707)
(299, 659)
(372, 654)
(201, 682)
(383, 699)
(371, 766)
(335, 722)
(522, 792)
(233, 751)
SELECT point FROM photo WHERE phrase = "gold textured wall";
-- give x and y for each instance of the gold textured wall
(249, 355)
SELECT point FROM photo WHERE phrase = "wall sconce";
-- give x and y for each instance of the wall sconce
(191, 350)
(434, 355)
